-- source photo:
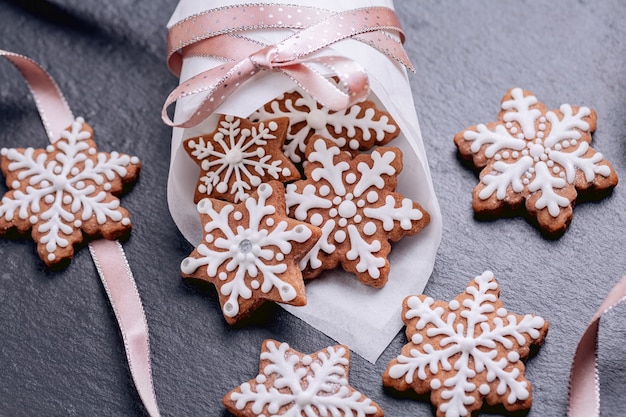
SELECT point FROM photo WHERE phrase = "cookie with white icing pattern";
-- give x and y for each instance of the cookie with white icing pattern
(250, 251)
(466, 351)
(353, 200)
(359, 127)
(535, 161)
(238, 156)
(65, 192)
(290, 383)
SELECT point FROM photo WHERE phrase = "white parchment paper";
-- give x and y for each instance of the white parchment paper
(366, 319)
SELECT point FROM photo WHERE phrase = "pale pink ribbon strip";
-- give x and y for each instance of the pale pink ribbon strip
(108, 256)
(584, 386)
(293, 56)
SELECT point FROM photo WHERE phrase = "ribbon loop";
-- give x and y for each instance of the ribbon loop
(296, 56)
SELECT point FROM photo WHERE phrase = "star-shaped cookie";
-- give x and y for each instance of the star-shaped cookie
(250, 251)
(64, 192)
(354, 202)
(467, 350)
(536, 161)
(238, 156)
(290, 383)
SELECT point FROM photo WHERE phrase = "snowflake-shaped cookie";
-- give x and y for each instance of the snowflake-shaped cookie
(291, 384)
(359, 127)
(535, 159)
(250, 251)
(238, 156)
(353, 201)
(65, 190)
(466, 350)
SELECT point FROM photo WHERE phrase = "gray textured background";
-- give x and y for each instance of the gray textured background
(60, 351)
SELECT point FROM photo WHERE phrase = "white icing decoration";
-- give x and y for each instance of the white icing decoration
(246, 249)
(345, 213)
(303, 386)
(327, 123)
(468, 344)
(236, 153)
(537, 149)
(58, 177)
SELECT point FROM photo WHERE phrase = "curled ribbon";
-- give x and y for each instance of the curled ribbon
(108, 256)
(584, 384)
(295, 57)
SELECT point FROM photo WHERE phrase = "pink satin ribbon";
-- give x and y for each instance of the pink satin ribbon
(584, 387)
(108, 256)
(217, 33)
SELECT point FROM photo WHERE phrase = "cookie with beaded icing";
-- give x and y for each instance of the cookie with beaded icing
(466, 352)
(535, 162)
(353, 200)
(65, 192)
(359, 127)
(238, 156)
(291, 383)
(250, 251)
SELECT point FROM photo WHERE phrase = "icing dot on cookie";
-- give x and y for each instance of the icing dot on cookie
(4, 151)
(513, 356)
(307, 360)
(324, 190)
(286, 172)
(222, 276)
(49, 148)
(269, 221)
(502, 312)
(369, 229)
(342, 222)
(51, 256)
(417, 338)
(15, 184)
(134, 160)
(255, 284)
(351, 178)
(49, 199)
(372, 197)
(221, 187)
(280, 257)
(435, 384)
(261, 378)
(317, 219)
(357, 218)
(360, 203)
(125, 221)
(57, 170)
(316, 119)
(484, 389)
(347, 209)
(33, 219)
(340, 236)
(354, 144)
(67, 199)
(337, 200)
(332, 212)
(202, 188)
(272, 125)
(209, 238)
(454, 305)
(107, 186)
(237, 215)
(78, 223)
(92, 151)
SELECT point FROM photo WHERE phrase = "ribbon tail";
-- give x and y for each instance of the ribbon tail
(121, 290)
(584, 384)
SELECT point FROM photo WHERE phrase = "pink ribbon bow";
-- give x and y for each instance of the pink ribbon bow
(296, 57)
(108, 256)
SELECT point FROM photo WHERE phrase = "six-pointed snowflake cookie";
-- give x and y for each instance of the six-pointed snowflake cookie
(250, 251)
(467, 350)
(353, 201)
(292, 384)
(64, 192)
(238, 156)
(359, 127)
(535, 160)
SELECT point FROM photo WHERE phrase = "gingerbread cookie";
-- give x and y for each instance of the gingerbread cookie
(64, 191)
(250, 251)
(359, 127)
(290, 383)
(238, 156)
(353, 201)
(535, 160)
(466, 350)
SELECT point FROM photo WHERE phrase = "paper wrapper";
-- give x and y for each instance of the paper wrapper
(364, 318)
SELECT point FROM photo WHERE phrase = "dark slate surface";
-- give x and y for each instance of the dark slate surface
(60, 350)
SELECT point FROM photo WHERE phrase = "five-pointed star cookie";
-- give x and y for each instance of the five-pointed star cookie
(64, 191)
(250, 251)
(536, 161)
(466, 350)
(290, 383)
(238, 156)
(354, 202)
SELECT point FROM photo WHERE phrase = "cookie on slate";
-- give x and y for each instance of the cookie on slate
(64, 192)
(467, 350)
(359, 127)
(536, 161)
(238, 156)
(291, 383)
(250, 251)
(353, 201)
